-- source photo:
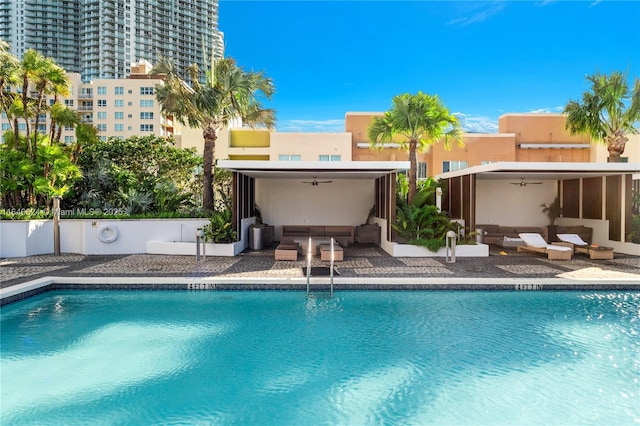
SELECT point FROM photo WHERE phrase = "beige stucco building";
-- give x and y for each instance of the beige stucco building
(528, 137)
(121, 108)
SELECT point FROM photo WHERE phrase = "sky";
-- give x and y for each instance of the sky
(482, 58)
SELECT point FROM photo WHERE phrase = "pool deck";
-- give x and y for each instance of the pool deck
(364, 267)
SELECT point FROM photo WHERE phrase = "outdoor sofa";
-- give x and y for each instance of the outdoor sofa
(344, 235)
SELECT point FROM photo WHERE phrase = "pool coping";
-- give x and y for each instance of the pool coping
(27, 289)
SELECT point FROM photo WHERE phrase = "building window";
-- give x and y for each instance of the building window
(69, 128)
(68, 140)
(449, 166)
(146, 103)
(102, 127)
(146, 90)
(146, 127)
(119, 90)
(102, 102)
(102, 138)
(422, 170)
(5, 126)
(482, 163)
(118, 115)
(102, 115)
(102, 90)
(119, 103)
(68, 103)
(118, 127)
(146, 116)
(329, 158)
(287, 157)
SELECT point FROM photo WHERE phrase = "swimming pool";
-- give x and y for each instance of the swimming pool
(281, 358)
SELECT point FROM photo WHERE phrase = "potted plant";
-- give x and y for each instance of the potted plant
(553, 211)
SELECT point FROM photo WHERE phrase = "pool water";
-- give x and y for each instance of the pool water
(285, 358)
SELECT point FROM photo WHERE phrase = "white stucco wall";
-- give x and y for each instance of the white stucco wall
(498, 202)
(291, 202)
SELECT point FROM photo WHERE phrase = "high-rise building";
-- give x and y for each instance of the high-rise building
(102, 38)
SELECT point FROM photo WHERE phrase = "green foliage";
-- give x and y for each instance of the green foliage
(220, 228)
(415, 122)
(634, 234)
(607, 113)
(553, 210)
(29, 182)
(419, 222)
(213, 98)
(138, 174)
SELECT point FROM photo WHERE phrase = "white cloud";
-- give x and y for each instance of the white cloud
(477, 124)
(547, 110)
(331, 126)
(478, 12)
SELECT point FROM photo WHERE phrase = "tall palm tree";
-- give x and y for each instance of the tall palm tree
(9, 66)
(607, 113)
(222, 93)
(416, 122)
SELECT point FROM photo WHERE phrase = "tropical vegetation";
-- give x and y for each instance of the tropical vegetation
(35, 166)
(216, 96)
(608, 113)
(415, 122)
(419, 222)
(138, 175)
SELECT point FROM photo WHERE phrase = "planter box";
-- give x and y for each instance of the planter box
(465, 250)
(21, 238)
(189, 249)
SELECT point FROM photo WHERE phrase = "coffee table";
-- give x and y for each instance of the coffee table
(315, 242)
(596, 252)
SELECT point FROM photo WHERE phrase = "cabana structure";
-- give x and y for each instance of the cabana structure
(313, 193)
(597, 195)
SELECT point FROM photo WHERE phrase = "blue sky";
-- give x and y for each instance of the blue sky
(483, 59)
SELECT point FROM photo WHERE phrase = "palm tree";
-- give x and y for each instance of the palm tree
(223, 93)
(9, 66)
(416, 122)
(607, 113)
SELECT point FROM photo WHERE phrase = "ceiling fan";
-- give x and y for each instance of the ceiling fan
(523, 183)
(316, 182)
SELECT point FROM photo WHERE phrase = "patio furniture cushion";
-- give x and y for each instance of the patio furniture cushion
(535, 243)
(286, 251)
(325, 253)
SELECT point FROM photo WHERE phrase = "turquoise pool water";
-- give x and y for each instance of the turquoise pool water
(282, 358)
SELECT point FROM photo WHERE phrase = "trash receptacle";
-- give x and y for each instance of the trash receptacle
(256, 234)
(479, 235)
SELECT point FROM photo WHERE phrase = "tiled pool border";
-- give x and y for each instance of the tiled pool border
(25, 290)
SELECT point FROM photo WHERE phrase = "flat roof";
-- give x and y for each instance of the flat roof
(551, 171)
(309, 169)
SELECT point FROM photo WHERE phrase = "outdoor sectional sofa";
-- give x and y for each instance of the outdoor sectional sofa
(344, 235)
(495, 234)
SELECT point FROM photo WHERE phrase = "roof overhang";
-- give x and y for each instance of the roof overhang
(309, 169)
(549, 171)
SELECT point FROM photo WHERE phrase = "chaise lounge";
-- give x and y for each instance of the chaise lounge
(534, 243)
(578, 245)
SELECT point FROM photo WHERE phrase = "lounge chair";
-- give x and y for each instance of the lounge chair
(572, 241)
(535, 243)
(578, 245)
